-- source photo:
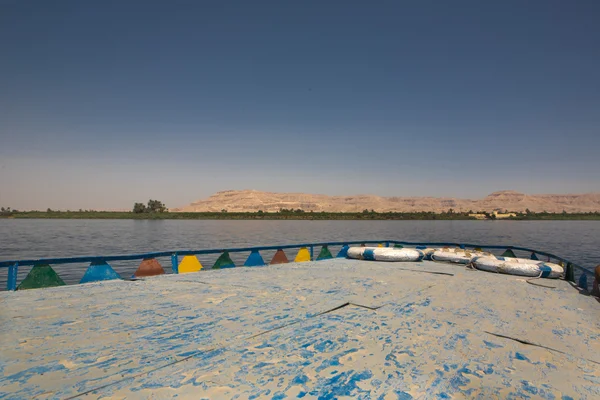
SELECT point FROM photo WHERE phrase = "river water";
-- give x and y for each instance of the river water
(578, 241)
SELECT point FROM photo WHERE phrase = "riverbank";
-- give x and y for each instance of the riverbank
(295, 215)
(234, 216)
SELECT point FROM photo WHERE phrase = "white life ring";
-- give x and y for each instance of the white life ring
(459, 256)
(518, 266)
(385, 254)
(427, 251)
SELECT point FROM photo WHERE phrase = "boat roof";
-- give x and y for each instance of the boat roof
(328, 329)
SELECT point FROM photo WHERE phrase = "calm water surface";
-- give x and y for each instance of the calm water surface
(578, 241)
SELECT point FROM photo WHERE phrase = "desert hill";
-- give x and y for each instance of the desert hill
(253, 200)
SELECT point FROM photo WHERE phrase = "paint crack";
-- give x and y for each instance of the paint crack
(528, 343)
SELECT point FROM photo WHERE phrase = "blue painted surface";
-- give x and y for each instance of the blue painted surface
(583, 281)
(13, 272)
(343, 253)
(264, 332)
(99, 272)
(175, 263)
(369, 254)
(544, 271)
(254, 259)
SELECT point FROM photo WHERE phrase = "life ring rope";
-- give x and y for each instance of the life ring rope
(537, 284)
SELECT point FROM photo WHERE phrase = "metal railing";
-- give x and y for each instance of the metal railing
(572, 271)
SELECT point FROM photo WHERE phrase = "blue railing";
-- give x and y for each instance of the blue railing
(13, 265)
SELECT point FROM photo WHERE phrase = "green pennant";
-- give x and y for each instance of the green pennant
(224, 261)
(569, 273)
(324, 254)
(41, 276)
(509, 253)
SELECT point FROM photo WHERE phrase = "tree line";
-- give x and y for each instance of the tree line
(155, 209)
(6, 211)
(153, 206)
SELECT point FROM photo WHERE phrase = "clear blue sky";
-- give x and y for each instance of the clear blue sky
(103, 103)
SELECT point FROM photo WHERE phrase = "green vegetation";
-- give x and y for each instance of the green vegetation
(154, 206)
(491, 216)
(532, 216)
(156, 210)
(295, 215)
(6, 211)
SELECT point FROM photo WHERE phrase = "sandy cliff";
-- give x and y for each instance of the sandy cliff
(252, 200)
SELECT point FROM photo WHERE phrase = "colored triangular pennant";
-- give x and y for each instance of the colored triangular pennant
(583, 281)
(509, 253)
(343, 253)
(99, 271)
(189, 264)
(279, 258)
(569, 273)
(303, 255)
(41, 276)
(224, 261)
(324, 254)
(254, 259)
(149, 267)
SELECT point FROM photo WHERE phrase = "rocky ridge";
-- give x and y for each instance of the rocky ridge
(253, 200)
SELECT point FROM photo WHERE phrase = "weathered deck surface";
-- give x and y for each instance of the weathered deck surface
(280, 332)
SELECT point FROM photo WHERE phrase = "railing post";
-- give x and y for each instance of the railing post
(387, 244)
(174, 263)
(11, 283)
(312, 256)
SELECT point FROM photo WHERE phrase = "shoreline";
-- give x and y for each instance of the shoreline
(320, 216)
